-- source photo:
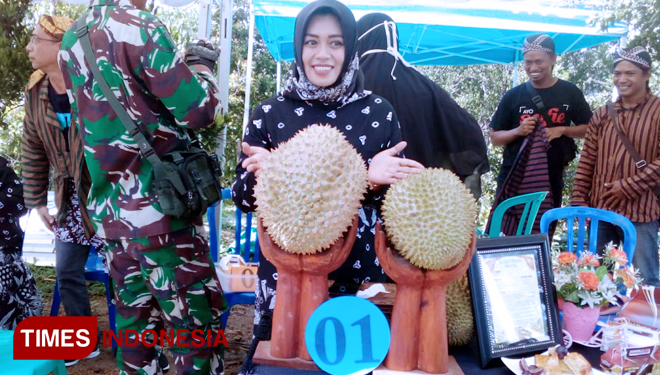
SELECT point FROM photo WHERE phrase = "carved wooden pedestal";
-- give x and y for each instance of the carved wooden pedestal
(419, 323)
(302, 285)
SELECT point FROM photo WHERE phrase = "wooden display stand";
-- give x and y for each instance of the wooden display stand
(302, 285)
(419, 322)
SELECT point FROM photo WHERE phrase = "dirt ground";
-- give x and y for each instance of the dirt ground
(238, 333)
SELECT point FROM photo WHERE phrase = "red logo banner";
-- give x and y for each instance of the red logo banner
(56, 337)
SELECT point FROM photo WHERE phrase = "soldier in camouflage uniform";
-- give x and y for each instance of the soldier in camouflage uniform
(160, 265)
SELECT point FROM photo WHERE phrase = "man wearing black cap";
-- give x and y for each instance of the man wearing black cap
(560, 115)
(610, 177)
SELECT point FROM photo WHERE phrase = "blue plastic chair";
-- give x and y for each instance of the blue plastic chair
(25, 367)
(596, 215)
(94, 271)
(532, 202)
(238, 298)
(239, 232)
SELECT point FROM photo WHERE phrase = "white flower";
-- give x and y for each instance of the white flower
(561, 279)
(590, 298)
(607, 290)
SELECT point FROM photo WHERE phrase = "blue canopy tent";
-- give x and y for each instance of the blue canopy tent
(451, 33)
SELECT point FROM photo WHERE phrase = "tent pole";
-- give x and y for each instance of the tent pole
(623, 42)
(248, 73)
(516, 66)
(204, 27)
(226, 17)
(204, 32)
(279, 75)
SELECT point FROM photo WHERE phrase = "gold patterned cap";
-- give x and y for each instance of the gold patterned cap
(55, 26)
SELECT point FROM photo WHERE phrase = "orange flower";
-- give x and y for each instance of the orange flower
(588, 260)
(566, 258)
(589, 280)
(627, 277)
(619, 256)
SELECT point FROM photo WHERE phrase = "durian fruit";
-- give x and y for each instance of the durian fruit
(430, 218)
(310, 189)
(460, 319)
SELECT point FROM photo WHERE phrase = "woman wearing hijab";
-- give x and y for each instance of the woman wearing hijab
(439, 132)
(325, 85)
(19, 297)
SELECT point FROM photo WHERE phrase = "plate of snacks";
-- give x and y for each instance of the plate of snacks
(556, 361)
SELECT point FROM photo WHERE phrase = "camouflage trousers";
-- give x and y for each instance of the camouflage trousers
(166, 281)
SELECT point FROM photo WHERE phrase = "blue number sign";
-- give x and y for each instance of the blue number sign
(347, 335)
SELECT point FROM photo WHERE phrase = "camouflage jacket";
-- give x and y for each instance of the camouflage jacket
(138, 59)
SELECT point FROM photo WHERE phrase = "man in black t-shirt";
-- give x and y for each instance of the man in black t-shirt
(566, 116)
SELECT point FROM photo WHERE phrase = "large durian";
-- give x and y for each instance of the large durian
(310, 189)
(460, 319)
(430, 218)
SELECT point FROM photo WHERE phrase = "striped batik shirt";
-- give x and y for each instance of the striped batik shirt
(44, 146)
(604, 159)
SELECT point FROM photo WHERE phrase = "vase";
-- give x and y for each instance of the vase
(580, 322)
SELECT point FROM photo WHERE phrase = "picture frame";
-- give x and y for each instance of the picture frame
(514, 301)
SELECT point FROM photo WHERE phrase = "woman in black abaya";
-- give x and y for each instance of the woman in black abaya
(439, 132)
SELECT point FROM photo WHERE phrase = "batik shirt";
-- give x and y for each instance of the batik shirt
(604, 159)
(137, 57)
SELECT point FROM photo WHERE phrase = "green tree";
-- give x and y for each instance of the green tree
(15, 68)
(643, 19)
(17, 20)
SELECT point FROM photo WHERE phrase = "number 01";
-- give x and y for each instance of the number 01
(340, 340)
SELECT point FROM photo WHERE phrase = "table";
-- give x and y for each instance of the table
(466, 356)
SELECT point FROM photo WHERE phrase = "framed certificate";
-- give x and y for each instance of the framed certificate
(515, 307)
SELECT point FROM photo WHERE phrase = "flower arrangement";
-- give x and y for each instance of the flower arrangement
(585, 281)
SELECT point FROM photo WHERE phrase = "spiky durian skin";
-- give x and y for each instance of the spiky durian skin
(310, 189)
(460, 318)
(430, 218)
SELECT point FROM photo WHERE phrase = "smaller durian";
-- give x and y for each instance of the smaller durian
(430, 218)
(460, 318)
(310, 188)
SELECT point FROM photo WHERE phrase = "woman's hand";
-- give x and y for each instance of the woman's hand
(386, 168)
(256, 159)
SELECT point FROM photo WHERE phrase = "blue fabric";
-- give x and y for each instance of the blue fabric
(64, 119)
(25, 367)
(446, 33)
(646, 249)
